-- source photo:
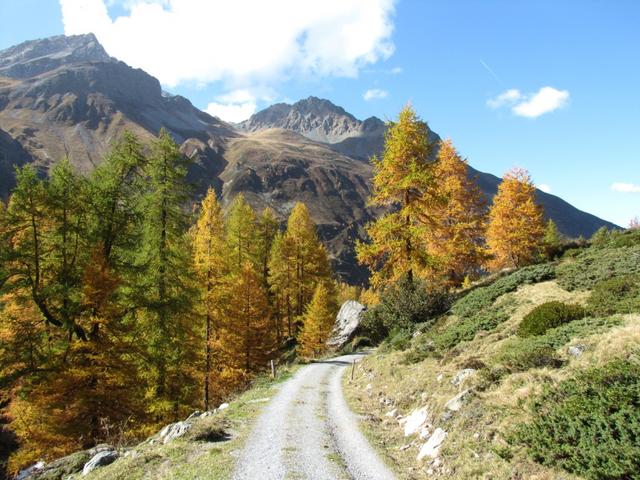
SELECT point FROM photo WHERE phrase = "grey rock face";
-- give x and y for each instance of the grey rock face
(29, 472)
(461, 375)
(173, 431)
(456, 402)
(576, 350)
(34, 57)
(100, 460)
(432, 446)
(322, 121)
(347, 321)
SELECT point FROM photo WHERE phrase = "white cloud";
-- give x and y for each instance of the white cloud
(544, 187)
(243, 42)
(234, 106)
(546, 100)
(395, 71)
(374, 94)
(531, 105)
(505, 98)
(625, 187)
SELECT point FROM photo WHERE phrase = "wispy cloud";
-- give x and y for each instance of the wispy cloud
(505, 98)
(625, 187)
(544, 187)
(531, 105)
(374, 94)
(395, 71)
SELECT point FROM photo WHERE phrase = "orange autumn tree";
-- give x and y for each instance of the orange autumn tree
(403, 181)
(248, 335)
(211, 265)
(299, 261)
(455, 237)
(318, 321)
(516, 226)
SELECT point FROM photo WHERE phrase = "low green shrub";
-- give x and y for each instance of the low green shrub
(421, 347)
(360, 342)
(483, 297)
(557, 337)
(520, 356)
(398, 339)
(404, 305)
(548, 315)
(466, 329)
(616, 295)
(594, 265)
(588, 425)
(604, 238)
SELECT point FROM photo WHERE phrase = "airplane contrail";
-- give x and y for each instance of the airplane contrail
(489, 69)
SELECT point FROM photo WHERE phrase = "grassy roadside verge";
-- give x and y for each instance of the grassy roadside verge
(190, 458)
(394, 383)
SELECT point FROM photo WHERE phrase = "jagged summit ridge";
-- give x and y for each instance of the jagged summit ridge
(315, 118)
(35, 57)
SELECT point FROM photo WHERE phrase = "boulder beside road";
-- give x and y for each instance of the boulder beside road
(347, 322)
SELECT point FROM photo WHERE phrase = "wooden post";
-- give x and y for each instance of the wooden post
(273, 369)
(353, 367)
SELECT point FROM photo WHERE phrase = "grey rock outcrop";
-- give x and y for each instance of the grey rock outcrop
(173, 431)
(431, 447)
(101, 459)
(461, 375)
(347, 322)
(456, 402)
(576, 350)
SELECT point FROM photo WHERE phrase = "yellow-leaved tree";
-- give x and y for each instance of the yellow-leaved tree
(456, 234)
(249, 338)
(298, 263)
(516, 226)
(318, 321)
(242, 233)
(211, 262)
(403, 181)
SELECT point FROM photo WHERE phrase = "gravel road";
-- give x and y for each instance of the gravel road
(308, 432)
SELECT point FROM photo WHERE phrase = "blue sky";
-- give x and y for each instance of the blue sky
(452, 59)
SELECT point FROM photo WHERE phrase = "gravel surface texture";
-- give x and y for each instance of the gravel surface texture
(308, 432)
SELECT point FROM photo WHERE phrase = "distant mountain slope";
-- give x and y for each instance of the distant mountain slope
(65, 96)
(321, 120)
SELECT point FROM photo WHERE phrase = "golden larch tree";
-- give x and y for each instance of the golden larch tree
(402, 181)
(516, 228)
(318, 321)
(211, 261)
(299, 263)
(456, 234)
(249, 338)
(242, 233)
(281, 275)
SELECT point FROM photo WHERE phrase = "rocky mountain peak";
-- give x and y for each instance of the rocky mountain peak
(34, 57)
(320, 107)
(315, 118)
